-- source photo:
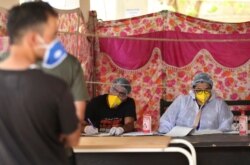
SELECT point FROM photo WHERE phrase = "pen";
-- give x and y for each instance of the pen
(90, 122)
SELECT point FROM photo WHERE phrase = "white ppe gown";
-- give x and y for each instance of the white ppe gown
(215, 114)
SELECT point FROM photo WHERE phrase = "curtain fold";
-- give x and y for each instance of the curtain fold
(177, 48)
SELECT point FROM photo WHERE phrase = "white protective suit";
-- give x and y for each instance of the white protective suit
(182, 112)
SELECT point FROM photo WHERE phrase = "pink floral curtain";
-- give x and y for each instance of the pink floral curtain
(161, 52)
(72, 32)
(3, 21)
(4, 40)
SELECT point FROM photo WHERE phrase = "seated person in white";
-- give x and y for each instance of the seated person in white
(200, 109)
(112, 113)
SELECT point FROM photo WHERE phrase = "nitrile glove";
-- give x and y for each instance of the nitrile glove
(116, 131)
(90, 130)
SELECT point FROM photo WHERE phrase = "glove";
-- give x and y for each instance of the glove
(90, 130)
(116, 131)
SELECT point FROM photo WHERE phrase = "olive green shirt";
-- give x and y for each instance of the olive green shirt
(71, 72)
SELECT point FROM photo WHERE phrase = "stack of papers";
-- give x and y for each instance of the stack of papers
(125, 134)
(138, 134)
(179, 131)
(99, 134)
(205, 132)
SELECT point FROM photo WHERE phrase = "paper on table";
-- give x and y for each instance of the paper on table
(137, 134)
(179, 131)
(99, 134)
(125, 134)
(205, 132)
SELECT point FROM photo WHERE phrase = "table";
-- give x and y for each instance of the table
(216, 149)
(127, 147)
(221, 149)
(219, 140)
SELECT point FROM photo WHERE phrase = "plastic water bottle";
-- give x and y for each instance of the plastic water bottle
(243, 124)
(147, 123)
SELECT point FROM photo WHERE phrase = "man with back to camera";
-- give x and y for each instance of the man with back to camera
(200, 109)
(37, 114)
(112, 113)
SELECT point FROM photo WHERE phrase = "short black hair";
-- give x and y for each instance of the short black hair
(29, 15)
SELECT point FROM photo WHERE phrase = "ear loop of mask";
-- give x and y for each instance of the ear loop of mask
(43, 44)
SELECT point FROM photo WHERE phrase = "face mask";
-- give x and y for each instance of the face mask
(54, 54)
(113, 101)
(202, 96)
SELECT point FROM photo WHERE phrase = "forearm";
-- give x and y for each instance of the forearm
(83, 125)
(71, 139)
(128, 124)
(80, 110)
(165, 125)
(226, 125)
(129, 127)
(225, 118)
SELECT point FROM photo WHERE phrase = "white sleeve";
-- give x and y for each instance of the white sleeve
(225, 117)
(168, 119)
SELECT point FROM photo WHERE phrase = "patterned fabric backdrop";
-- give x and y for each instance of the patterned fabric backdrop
(4, 40)
(3, 21)
(72, 32)
(4, 44)
(157, 78)
(170, 21)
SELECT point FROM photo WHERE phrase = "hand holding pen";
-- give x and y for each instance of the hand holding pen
(90, 129)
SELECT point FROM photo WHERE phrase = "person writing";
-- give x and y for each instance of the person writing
(200, 109)
(113, 113)
(37, 113)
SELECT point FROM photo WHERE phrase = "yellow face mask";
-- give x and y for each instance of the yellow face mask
(114, 101)
(202, 96)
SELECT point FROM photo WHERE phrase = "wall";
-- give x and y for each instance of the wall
(85, 7)
(117, 9)
(8, 3)
(131, 8)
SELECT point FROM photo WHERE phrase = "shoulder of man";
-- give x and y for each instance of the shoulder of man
(72, 59)
(69, 61)
(52, 79)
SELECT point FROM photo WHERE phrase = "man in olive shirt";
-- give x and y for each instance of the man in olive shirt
(71, 72)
